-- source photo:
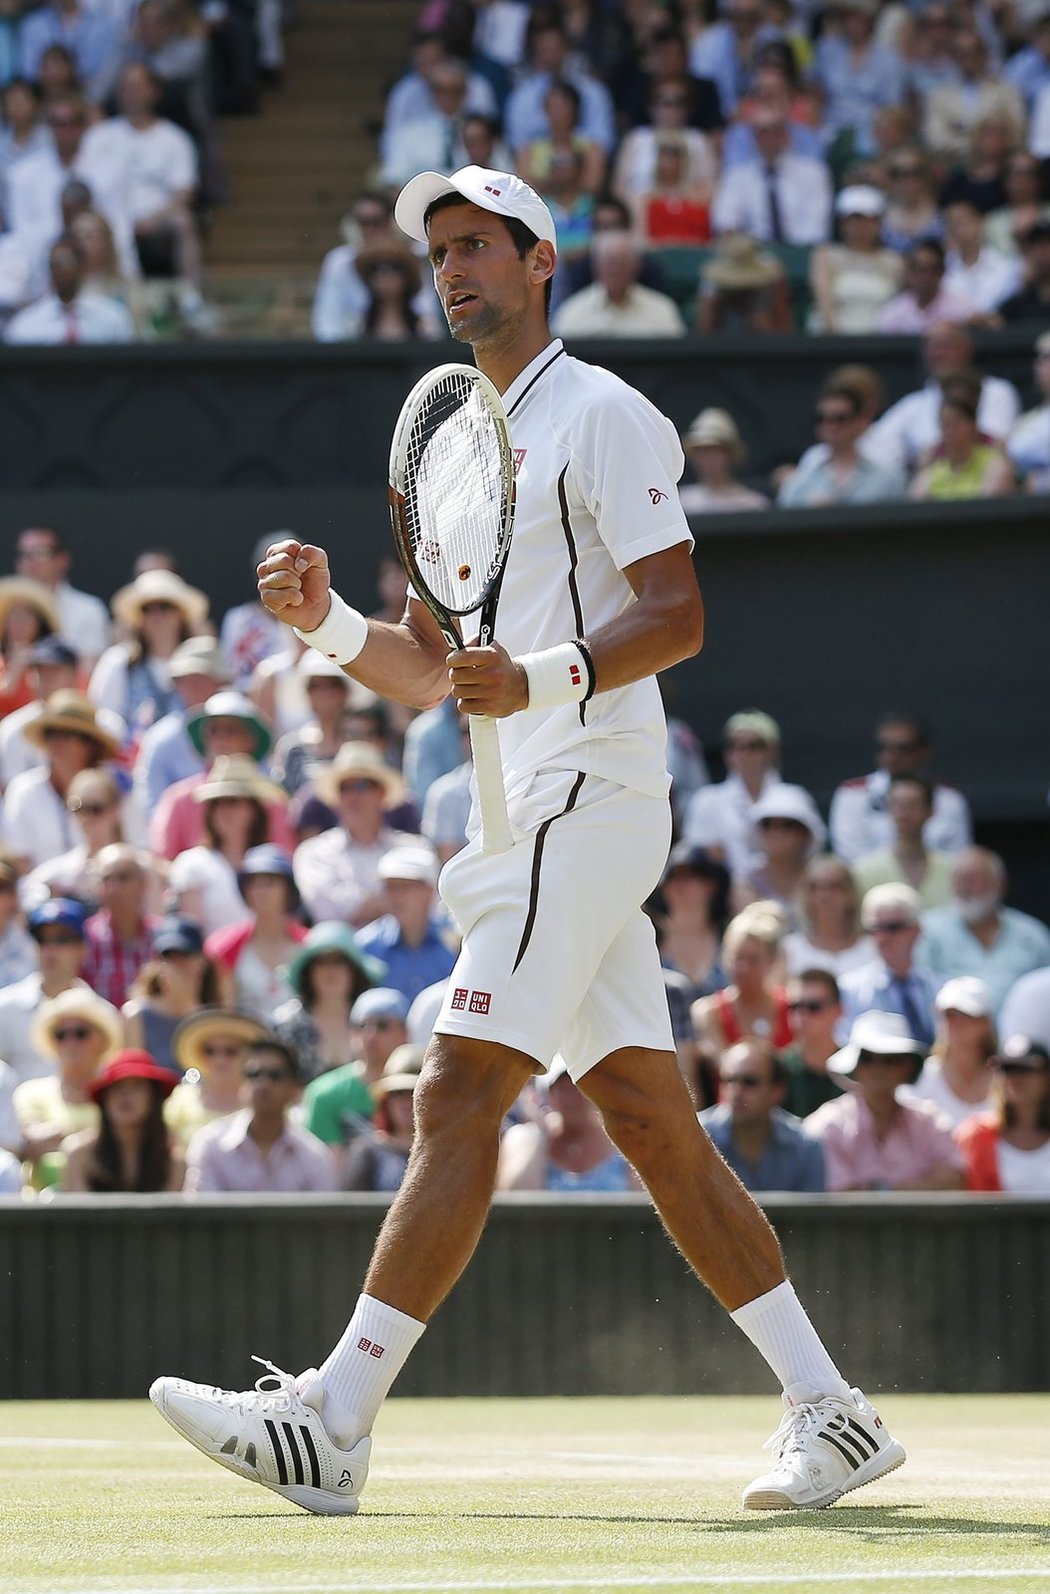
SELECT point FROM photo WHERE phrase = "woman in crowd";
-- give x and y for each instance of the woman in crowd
(95, 802)
(638, 157)
(27, 614)
(132, 1148)
(675, 209)
(60, 80)
(691, 915)
(253, 953)
(79, 1031)
(1024, 205)
(912, 211)
(534, 162)
(391, 276)
(22, 132)
(327, 973)
(829, 935)
(103, 272)
(742, 289)
(787, 833)
(1009, 1148)
(204, 878)
(564, 1147)
(178, 981)
(754, 1003)
(377, 1158)
(301, 753)
(966, 465)
(957, 1076)
(133, 678)
(852, 280)
(716, 452)
(210, 1047)
(982, 180)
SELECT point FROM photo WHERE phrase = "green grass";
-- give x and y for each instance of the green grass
(528, 1495)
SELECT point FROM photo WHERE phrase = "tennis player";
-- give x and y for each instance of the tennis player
(599, 595)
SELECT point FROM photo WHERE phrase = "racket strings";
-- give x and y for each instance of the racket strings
(456, 493)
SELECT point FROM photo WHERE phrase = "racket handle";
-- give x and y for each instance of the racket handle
(496, 835)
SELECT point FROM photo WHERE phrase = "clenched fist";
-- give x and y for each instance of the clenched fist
(295, 583)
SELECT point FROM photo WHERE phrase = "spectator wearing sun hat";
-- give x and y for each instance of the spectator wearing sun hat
(716, 451)
(227, 724)
(787, 833)
(78, 1032)
(28, 614)
(34, 822)
(411, 939)
(254, 952)
(338, 871)
(157, 611)
(871, 1139)
(131, 1148)
(956, 1077)
(327, 973)
(210, 1047)
(236, 801)
(339, 1104)
(166, 755)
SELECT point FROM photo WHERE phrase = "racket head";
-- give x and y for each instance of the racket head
(452, 490)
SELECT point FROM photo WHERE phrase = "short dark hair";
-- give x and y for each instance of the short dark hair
(522, 237)
(58, 541)
(277, 1048)
(921, 727)
(915, 780)
(931, 246)
(819, 977)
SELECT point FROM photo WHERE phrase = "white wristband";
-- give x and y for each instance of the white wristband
(557, 675)
(341, 635)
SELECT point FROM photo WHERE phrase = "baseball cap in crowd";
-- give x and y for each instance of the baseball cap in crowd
(501, 192)
(1022, 1049)
(965, 994)
(54, 650)
(58, 910)
(177, 934)
(752, 722)
(784, 801)
(884, 1034)
(381, 1002)
(860, 199)
(132, 1063)
(200, 655)
(408, 863)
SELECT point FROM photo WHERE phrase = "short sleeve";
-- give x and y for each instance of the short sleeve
(626, 464)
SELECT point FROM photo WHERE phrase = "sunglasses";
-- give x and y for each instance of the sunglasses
(833, 417)
(775, 822)
(377, 1023)
(891, 927)
(747, 747)
(274, 1075)
(749, 1081)
(158, 607)
(807, 1005)
(358, 786)
(217, 1049)
(72, 1032)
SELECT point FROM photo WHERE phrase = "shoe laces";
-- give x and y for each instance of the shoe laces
(274, 1391)
(794, 1429)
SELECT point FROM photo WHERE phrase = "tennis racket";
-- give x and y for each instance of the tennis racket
(452, 512)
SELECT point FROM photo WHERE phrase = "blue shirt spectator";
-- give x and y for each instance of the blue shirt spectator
(525, 118)
(975, 934)
(1029, 69)
(856, 89)
(88, 37)
(409, 938)
(766, 1147)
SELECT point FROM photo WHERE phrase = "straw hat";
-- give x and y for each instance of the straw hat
(187, 1043)
(739, 263)
(401, 1071)
(714, 428)
(158, 586)
(69, 710)
(200, 655)
(237, 775)
(79, 1001)
(358, 759)
(33, 595)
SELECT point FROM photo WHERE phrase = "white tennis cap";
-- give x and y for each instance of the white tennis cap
(501, 192)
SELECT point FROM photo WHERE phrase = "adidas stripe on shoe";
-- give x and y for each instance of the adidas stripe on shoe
(824, 1448)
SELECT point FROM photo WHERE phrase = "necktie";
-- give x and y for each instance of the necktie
(72, 329)
(918, 1021)
(776, 225)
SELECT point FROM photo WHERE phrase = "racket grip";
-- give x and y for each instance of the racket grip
(496, 834)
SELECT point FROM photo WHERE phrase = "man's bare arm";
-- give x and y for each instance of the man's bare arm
(405, 662)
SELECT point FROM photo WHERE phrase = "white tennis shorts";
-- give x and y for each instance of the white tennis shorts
(557, 954)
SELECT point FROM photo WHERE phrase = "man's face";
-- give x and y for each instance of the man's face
(65, 272)
(945, 350)
(908, 807)
(68, 753)
(923, 273)
(61, 951)
(47, 678)
(899, 749)
(976, 885)
(965, 227)
(269, 1087)
(1037, 259)
(549, 50)
(66, 123)
(482, 284)
(895, 936)
(409, 900)
(196, 689)
(377, 1037)
(136, 93)
(878, 1078)
(812, 1011)
(225, 734)
(1042, 371)
(969, 55)
(37, 558)
(838, 421)
(616, 267)
(361, 801)
(122, 886)
(746, 1086)
(749, 756)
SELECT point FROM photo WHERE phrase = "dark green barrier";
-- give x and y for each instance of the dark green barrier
(937, 1293)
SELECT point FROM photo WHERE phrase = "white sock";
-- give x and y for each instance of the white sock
(358, 1373)
(777, 1326)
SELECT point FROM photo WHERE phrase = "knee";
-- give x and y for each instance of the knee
(462, 1097)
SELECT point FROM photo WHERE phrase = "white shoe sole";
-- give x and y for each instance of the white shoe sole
(887, 1460)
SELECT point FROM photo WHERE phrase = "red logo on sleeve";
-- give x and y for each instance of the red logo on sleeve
(657, 495)
(480, 1001)
(459, 997)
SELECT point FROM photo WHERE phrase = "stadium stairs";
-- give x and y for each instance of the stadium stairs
(295, 165)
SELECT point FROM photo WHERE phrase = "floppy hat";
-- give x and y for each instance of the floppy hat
(739, 263)
(177, 934)
(714, 428)
(237, 775)
(501, 192)
(332, 935)
(885, 1034)
(32, 595)
(752, 722)
(965, 994)
(132, 1064)
(408, 863)
(200, 655)
(382, 1002)
(229, 706)
(784, 801)
(189, 1037)
(361, 759)
(69, 710)
(79, 1001)
(158, 586)
(860, 199)
(401, 1071)
(268, 859)
(58, 910)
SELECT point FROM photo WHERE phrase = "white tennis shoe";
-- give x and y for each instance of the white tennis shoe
(823, 1448)
(272, 1434)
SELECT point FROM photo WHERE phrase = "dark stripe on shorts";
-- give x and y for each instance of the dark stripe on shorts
(574, 559)
(537, 860)
(530, 385)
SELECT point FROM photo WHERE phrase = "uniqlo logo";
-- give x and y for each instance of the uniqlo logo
(574, 674)
(459, 998)
(370, 1348)
(365, 1345)
(480, 1001)
(377, 1350)
(490, 190)
(519, 458)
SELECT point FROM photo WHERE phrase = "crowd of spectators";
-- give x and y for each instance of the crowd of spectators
(222, 950)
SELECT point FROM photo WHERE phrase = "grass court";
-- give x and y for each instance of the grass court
(541, 1495)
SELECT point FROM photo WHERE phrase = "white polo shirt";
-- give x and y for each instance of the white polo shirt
(597, 467)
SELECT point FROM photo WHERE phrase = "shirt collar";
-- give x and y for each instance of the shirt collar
(532, 372)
